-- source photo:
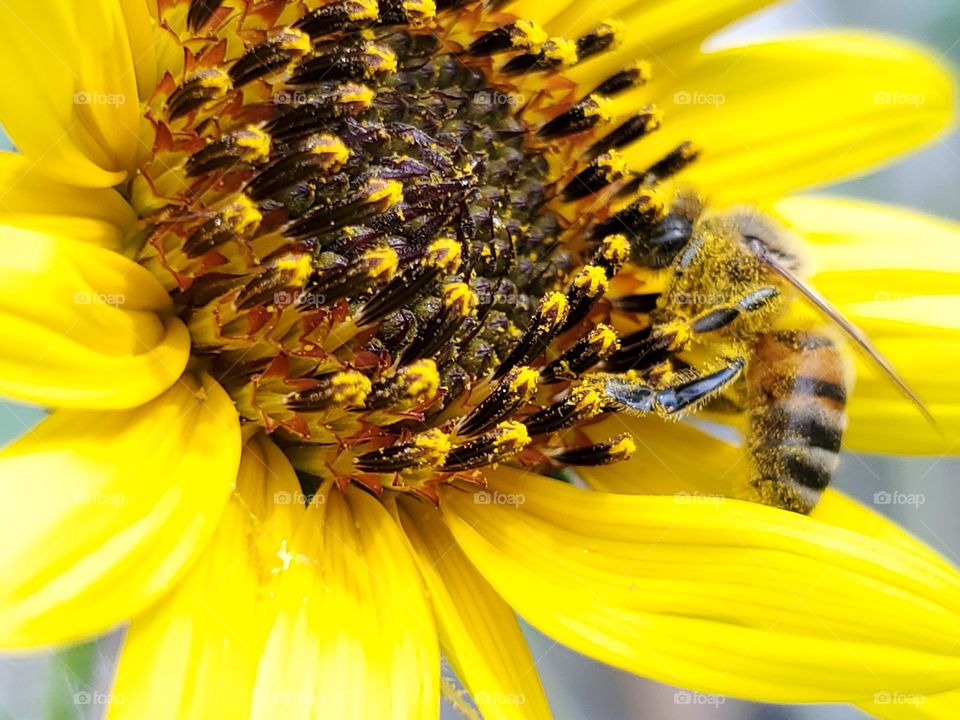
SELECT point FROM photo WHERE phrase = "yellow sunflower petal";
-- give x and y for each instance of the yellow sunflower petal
(869, 252)
(103, 511)
(81, 327)
(695, 468)
(778, 116)
(31, 200)
(663, 463)
(354, 636)
(478, 631)
(194, 655)
(71, 102)
(896, 275)
(144, 38)
(665, 33)
(727, 597)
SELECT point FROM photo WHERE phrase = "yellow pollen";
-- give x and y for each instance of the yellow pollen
(612, 27)
(298, 265)
(364, 10)
(213, 78)
(384, 61)
(353, 94)
(512, 433)
(606, 338)
(419, 12)
(350, 387)
(434, 445)
(614, 165)
(553, 309)
(524, 382)
(382, 262)
(623, 448)
(296, 41)
(530, 37)
(331, 148)
(644, 70)
(615, 249)
(654, 118)
(592, 280)
(561, 51)
(243, 215)
(256, 142)
(460, 298)
(587, 400)
(421, 379)
(387, 192)
(444, 254)
(599, 107)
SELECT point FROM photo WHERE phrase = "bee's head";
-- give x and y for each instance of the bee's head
(764, 236)
(661, 242)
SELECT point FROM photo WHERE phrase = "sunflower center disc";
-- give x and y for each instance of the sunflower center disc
(390, 250)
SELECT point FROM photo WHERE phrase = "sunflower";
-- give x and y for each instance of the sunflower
(289, 272)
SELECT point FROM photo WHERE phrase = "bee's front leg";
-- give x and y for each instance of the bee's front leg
(684, 391)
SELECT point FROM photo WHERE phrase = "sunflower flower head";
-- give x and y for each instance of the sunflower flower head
(352, 278)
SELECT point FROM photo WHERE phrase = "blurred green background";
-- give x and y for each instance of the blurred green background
(64, 686)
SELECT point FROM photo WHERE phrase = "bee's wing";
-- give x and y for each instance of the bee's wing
(851, 330)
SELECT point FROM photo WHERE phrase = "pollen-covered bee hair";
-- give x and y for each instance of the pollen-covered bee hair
(719, 333)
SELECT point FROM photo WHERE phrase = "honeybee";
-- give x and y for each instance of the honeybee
(720, 334)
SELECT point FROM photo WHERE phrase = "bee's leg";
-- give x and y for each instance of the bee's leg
(722, 315)
(645, 395)
(796, 395)
(662, 342)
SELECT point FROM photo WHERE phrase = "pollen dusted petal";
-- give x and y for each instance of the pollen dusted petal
(83, 326)
(479, 634)
(73, 105)
(194, 655)
(789, 114)
(725, 597)
(122, 486)
(354, 636)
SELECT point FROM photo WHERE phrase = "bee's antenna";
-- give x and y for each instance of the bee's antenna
(851, 330)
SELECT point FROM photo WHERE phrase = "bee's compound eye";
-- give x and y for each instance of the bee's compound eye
(663, 242)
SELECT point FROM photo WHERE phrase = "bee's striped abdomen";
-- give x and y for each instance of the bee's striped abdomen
(797, 399)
